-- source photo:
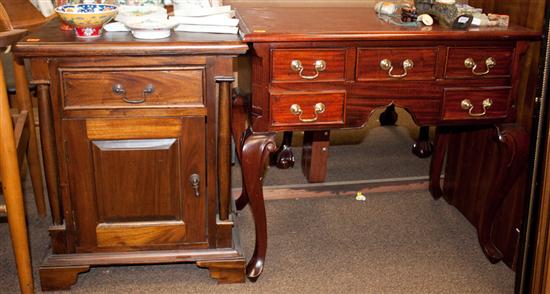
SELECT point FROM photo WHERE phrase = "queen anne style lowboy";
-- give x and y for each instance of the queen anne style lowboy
(316, 69)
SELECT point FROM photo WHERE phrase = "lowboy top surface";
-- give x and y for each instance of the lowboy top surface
(288, 24)
(49, 40)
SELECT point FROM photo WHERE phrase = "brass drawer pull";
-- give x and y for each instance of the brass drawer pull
(385, 64)
(489, 63)
(195, 181)
(296, 65)
(118, 89)
(466, 104)
(297, 110)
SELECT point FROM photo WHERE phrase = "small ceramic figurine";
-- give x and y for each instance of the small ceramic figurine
(423, 6)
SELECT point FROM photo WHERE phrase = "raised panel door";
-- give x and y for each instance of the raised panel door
(131, 187)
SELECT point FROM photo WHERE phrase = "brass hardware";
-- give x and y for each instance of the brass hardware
(471, 64)
(195, 181)
(297, 110)
(385, 64)
(149, 89)
(319, 65)
(119, 90)
(466, 104)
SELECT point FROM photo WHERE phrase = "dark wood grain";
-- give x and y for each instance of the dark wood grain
(239, 125)
(489, 204)
(49, 155)
(165, 82)
(60, 278)
(291, 24)
(315, 155)
(334, 58)
(368, 63)
(54, 42)
(452, 109)
(333, 114)
(255, 154)
(137, 171)
(125, 170)
(432, 91)
(456, 57)
(225, 271)
(224, 147)
(441, 142)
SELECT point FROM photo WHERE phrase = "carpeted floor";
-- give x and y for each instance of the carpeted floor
(391, 243)
(399, 242)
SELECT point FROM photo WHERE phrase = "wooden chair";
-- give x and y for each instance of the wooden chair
(14, 15)
(11, 180)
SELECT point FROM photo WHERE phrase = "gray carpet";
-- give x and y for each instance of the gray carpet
(393, 243)
(369, 153)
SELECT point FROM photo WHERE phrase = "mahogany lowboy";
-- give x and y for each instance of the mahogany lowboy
(316, 69)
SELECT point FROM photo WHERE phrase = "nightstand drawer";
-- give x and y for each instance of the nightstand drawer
(476, 103)
(308, 65)
(307, 109)
(133, 88)
(396, 64)
(479, 62)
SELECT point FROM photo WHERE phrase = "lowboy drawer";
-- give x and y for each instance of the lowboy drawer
(392, 64)
(131, 88)
(476, 103)
(308, 65)
(307, 109)
(479, 62)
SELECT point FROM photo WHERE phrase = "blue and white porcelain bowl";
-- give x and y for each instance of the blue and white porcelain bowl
(87, 19)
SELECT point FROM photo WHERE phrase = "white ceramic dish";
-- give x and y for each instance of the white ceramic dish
(127, 14)
(152, 29)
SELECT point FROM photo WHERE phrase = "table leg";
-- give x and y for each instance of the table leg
(423, 147)
(315, 155)
(441, 141)
(513, 143)
(283, 158)
(254, 157)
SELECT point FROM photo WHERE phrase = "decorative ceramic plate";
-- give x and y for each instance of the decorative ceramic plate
(157, 29)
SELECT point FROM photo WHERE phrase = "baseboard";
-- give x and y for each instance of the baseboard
(342, 188)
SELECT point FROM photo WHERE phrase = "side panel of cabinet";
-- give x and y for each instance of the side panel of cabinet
(129, 182)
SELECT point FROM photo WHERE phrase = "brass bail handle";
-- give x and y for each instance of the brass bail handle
(386, 65)
(119, 89)
(471, 64)
(319, 66)
(466, 104)
(317, 109)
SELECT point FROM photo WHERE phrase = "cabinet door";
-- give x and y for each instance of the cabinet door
(130, 182)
